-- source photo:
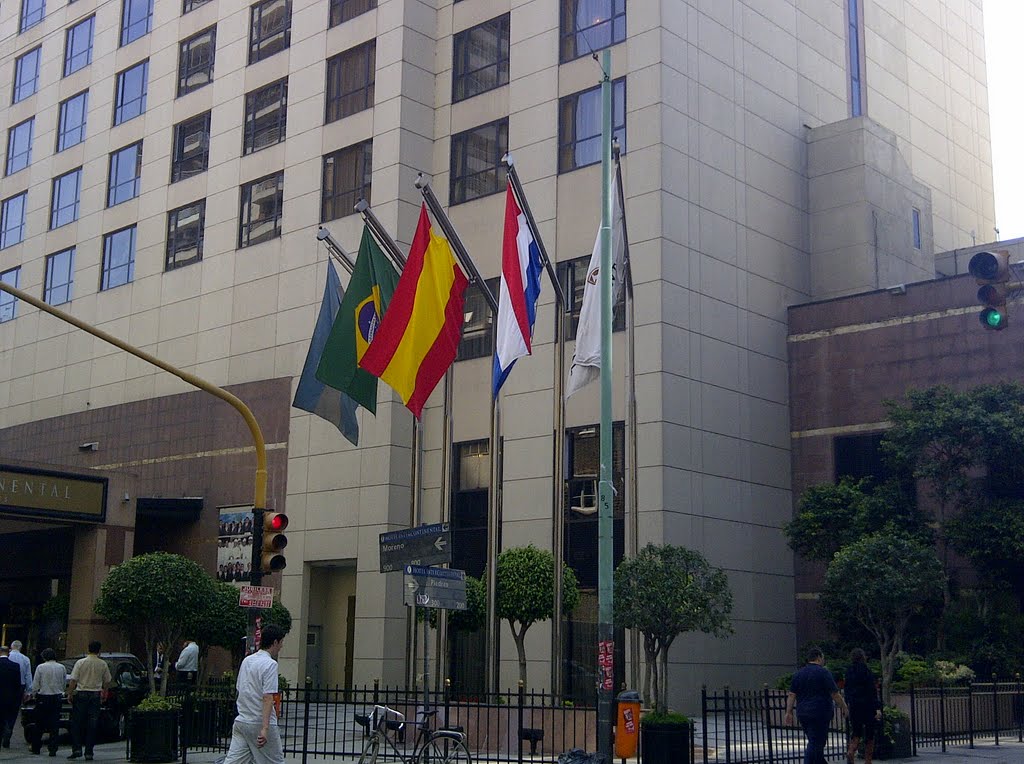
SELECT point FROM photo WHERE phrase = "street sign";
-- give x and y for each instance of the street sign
(425, 545)
(443, 588)
(256, 596)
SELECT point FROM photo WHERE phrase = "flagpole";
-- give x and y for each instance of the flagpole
(631, 421)
(494, 442)
(336, 250)
(558, 440)
(380, 234)
(605, 520)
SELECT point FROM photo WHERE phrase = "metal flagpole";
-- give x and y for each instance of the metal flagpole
(633, 498)
(605, 526)
(558, 441)
(447, 461)
(335, 250)
(494, 491)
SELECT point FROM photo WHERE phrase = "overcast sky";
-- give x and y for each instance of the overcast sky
(1004, 21)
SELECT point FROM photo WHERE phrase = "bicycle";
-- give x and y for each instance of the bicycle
(432, 746)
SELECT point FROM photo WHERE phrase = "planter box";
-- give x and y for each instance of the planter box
(671, 745)
(899, 747)
(153, 736)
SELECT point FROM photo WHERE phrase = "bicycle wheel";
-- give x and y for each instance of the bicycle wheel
(370, 750)
(444, 750)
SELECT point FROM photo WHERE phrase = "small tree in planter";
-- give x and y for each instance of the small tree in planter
(155, 596)
(526, 592)
(222, 623)
(666, 591)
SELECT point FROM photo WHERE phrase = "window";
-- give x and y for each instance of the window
(480, 62)
(9, 303)
(185, 235)
(125, 174)
(130, 97)
(12, 220)
(472, 481)
(915, 215)
(136, 19)
(195, 62)
(270, 29)
(572, 275)
(118, 258)
(64, 200)
(32, 12)
(477, 323)
(476, 168)
(266, 116)
(589, 25)
(60, 276)
(191, 5)
(78, 46)
(19, 146)
(26, 75)
(191, 147)
(343, 10)
(71, 120)
(350, 78)
(855, 44)
(346, 180)
(579, 126)
(260, 216)
(859, 456)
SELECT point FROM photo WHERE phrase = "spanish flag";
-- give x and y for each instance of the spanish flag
(419, 335)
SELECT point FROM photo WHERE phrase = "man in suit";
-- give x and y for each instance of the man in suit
(11, 693)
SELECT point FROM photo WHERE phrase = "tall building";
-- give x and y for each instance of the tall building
(166, 170)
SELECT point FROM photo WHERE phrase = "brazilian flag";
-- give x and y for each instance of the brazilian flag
(367, 297)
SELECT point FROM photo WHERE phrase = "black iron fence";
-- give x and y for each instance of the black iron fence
(961, 715)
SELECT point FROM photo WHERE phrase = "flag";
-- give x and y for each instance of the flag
(312, 395)
(520, 287)
(369, 292)
(419, 336)
(586, 360)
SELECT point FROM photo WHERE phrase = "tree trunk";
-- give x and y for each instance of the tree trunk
(520, 640)
(663, 699)
(150, 643)
(887, 649)
(650, 663)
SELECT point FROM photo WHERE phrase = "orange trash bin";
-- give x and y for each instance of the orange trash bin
(627, 724)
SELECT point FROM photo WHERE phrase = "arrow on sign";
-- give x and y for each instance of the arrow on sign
(441, 543)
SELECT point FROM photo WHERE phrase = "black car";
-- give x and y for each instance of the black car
(130, 685)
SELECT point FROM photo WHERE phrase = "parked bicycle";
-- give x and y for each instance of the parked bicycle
(385, 725)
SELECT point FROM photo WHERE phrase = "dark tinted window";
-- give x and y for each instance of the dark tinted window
(476, 166)
(480, 61)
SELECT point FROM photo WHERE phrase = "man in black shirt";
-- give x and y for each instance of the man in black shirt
(813, 691)
(11, 693)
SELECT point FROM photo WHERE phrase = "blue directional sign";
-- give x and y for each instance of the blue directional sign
(425, 545)
(443, 588)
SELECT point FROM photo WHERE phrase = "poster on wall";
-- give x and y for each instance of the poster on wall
(234, 545)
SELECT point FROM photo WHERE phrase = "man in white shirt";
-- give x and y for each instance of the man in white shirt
(254, 736)
(188, 662)
(48, 687)
(26, 665)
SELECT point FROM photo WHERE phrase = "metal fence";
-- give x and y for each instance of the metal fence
(961, 715)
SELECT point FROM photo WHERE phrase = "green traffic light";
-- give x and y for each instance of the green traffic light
(993, 319)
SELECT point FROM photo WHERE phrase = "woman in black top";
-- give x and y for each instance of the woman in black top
(865, 709)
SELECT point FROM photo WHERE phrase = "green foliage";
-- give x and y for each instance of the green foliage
(277, 614)
(990, 533)
(983, 628)
(657, 720)
(891, 716)
(56, 609)
(474, 616)
(882, 581)
(157, 703)
(666, 591)
(220, 622)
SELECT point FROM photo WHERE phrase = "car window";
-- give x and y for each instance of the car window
(128, 675)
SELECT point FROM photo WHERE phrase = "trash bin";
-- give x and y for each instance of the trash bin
(627, 725)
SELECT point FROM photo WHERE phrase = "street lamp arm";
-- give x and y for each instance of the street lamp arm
(260, 490)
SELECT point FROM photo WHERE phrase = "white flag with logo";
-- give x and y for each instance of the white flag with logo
(586, 361)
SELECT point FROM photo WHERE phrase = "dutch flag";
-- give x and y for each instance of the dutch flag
(520, 287)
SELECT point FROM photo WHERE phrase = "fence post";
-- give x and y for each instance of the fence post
(186, 723)
(768, 723)
(376, 692)
(447, 701)
(728, 746)
(995, 707)
(305, 719)
(519, 730)
(704, 720)
(1018, 710)
(970, 713)
(913, 721)
(942, 715)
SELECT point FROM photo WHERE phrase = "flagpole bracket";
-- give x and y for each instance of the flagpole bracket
(421, 182)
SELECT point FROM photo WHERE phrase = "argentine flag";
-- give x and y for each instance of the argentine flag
(520, 287)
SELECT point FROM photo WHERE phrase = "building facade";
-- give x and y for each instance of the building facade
(168, 165)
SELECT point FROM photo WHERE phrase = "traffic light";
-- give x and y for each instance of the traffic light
(992, 270)
(274, 541)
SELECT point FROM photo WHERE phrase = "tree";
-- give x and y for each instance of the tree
(883, 581)
(526, 592)
(666, 591)
(155, 596)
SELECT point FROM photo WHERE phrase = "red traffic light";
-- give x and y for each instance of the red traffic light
(276, 521)
(274, 541)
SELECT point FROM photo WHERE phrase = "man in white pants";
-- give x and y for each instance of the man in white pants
(254, 736)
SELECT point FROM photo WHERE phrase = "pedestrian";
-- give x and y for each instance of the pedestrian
(11, 693)
(159, 661)
(865, 707)
(48, 687)
(813, 691)
(89, 677)
(26, 665)
(187, 665)
(254, 735)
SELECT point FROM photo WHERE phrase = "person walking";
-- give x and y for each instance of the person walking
(254, 735)
(26, 665)
(11, 693)
(187, 664)
(48, 687)
(865, 707)
(89, 678)
(813, 691)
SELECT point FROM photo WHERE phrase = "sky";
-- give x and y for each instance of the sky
(1004, 20)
